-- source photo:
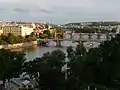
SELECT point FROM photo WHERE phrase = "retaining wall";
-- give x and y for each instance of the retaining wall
(19, 45)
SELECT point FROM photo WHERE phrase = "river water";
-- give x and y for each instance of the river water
(38, 51)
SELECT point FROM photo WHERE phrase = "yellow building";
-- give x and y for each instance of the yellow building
(16, 30)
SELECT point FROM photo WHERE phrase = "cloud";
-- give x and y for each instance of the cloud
(45, 11)
(2, 9)
(20, 10)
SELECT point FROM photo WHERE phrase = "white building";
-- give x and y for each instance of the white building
(26, 30)
(20, 84)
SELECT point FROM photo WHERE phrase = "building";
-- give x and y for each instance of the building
(16, 30)
(26, 30)
(20, 84)
(41, 28)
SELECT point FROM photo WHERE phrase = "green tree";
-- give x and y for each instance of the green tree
(1, 41)
(21, 39)
(4, 37)
(97, 67)
(33, 36)
(10, 64)
(11, 38)
(109, 66)
(47, 32)
(76, 64)
(43, 36)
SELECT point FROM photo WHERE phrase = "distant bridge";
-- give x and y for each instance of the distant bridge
(81, 39)
(74, 40)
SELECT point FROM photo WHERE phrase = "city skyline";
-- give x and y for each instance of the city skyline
(60, 11)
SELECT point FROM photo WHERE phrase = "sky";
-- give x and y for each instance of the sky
(60, 11)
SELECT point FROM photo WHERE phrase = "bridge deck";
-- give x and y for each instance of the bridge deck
(87, 40)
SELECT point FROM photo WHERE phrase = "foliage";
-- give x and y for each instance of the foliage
(1, 41)
(31, 37)
(47, 32)
(10, 64)
(99, 66)
(43, 36)
(11, 39)
(59, 32)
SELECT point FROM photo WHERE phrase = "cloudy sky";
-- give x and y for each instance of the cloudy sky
(60, 11)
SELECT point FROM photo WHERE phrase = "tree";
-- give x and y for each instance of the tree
(114, 30)
(21, 39)
(47, 32)
(11, 38)
(109, 66)
(10, 64)
(47, 70)
(43, 36)
(99, 66)
(1, 41)
(4, 37)
(32, 34)
(76, 64)
(59, 32)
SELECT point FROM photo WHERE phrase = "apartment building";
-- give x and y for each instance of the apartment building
(16, 30)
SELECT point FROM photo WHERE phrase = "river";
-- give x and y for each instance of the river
(38, 51)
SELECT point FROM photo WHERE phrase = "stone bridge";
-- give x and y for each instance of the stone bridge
(81, 38)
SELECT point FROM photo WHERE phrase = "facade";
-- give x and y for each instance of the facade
(26, 30)
(16, 30)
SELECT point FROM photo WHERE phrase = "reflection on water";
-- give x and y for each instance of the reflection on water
(38, 51)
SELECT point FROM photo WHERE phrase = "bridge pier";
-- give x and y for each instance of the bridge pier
(89, 36)
(98, 36)
(58, 43)
(80, 35)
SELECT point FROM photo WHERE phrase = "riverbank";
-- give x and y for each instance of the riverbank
(18, 45)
